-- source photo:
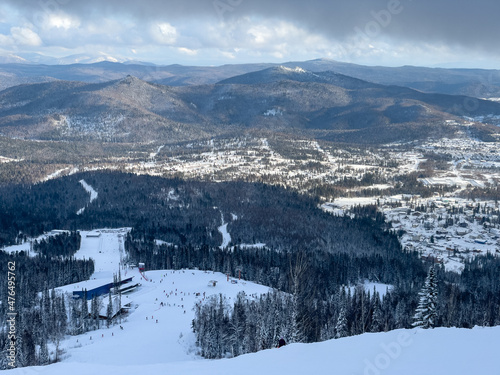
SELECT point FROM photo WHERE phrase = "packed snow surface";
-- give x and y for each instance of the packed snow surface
(443, 351)
(157, 339)
(91, 191)
(226, 237)
(368, 286)
(26, 246)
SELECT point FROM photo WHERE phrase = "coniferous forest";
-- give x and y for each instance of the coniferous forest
(314, 262)
(42, 315)
(318, 296)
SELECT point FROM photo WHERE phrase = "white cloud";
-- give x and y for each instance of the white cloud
(164, 33)
(25, 36)
(187, 51)
(62, 21)
(5, 40)
(260, 34)
(3, 15)
(228, 55)
(195, 36)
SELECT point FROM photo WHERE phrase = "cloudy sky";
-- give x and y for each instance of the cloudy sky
(450, 33)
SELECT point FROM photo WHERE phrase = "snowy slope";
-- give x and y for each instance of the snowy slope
(157, 339)
(91, 191)
(158, 327)
(26, 246)
(442, 351)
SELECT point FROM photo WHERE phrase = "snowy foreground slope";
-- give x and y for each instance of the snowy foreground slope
(410, 352)
(157, 339)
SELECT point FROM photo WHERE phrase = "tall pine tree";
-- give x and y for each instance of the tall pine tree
(425, 314)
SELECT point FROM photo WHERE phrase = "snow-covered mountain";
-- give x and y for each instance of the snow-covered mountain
(157, 339)
(326, 105)
(36, 58)
(12, 59)
(443, 351)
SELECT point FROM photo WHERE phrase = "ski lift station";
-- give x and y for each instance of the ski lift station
(97, 290)
(141, 267)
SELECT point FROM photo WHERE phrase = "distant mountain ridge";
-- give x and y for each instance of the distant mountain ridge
(298, 74)
(15, 70)
(324, 105)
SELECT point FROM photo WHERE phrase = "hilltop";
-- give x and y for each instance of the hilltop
(157, 339)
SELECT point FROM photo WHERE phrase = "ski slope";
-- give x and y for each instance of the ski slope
(157, 338)
(441, 351)
(106, 248)
(93, 195)
(26, 246)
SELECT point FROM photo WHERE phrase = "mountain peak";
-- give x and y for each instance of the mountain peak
(12, 59)
(129, 80)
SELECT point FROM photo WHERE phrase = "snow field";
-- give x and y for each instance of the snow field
(26, 246)
(226, 237)
(91, 191)
(153, 333)
(442, 351)
(158, 327)
(369, 286)
(157, 337)
(106, 250)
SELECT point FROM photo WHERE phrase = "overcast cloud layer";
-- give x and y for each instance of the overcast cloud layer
(202, 32)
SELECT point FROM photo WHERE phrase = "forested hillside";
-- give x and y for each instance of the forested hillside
(317, 263)
(187, 212)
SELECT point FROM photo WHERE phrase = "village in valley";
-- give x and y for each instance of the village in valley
(443, 230)
(439, 196)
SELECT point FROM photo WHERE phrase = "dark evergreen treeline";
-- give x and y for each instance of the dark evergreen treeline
(31, 210)
(312, 286)
(41, 316)
(183, 212)
(46, 321)
(224, 328)
(33, 274)
(491, 192)
(325, 271)
(62, 245)
(313, 304)
(472, 297)
(309, 259)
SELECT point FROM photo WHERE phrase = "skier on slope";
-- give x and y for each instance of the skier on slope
(281, 342)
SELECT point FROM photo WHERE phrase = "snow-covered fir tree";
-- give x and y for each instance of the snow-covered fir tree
(84, 311)
(44, 357)
(425, 314)
(377, 315)
(109, 311)
(341, 329)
